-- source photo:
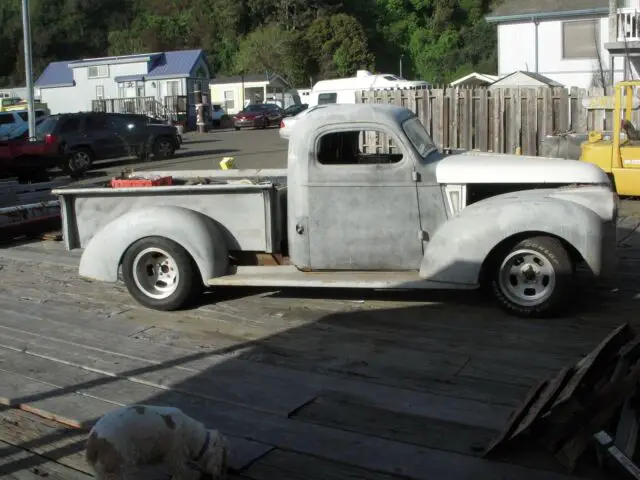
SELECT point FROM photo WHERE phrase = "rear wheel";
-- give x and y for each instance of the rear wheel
(160, 274)
(163, 148)
(77, 162)
(237, 128)
(533, 278)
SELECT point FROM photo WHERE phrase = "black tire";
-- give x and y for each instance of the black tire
(179, 294)
(237, 128)
(163, 148)
(551, 265)
(77, 161)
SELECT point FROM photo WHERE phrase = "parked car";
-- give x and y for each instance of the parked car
(258, 115)
(346, 215)
(293, 110)
(15, 124)
(162, 121)
(76, 140)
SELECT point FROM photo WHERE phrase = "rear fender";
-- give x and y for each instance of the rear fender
(195, 232)
(458, 249)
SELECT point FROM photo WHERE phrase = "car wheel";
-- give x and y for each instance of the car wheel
(77, 162)
(160, 274)
(163, 148)
(533, 278)
(237, 128)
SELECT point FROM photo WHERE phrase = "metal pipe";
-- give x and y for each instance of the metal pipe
(28, 67)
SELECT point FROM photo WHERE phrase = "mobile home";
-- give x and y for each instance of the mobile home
(344, 90)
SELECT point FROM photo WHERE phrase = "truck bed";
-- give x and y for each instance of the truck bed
(247, 204)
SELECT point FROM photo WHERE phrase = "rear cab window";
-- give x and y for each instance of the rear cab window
(6, 118)
(47, 125)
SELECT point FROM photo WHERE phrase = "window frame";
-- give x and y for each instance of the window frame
(102, 71)
(335, 98)
(228, 100)
(563, 36)
(399, 146)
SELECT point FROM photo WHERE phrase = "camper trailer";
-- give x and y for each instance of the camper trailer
(343, 90)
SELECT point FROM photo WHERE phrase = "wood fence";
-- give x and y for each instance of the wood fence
(499, 120)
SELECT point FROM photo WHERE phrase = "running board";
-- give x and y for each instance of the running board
(288, 276)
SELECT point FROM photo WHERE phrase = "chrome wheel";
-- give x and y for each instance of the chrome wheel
(527, 277)
(155, 273)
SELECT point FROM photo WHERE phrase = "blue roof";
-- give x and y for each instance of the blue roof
(57, 74)
(168, 65)
(175, 64)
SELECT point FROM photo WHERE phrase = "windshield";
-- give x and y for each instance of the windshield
(418, 137)
(254, 108)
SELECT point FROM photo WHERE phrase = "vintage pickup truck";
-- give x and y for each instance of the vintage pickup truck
(345, 214)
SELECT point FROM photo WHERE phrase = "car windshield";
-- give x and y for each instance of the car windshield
(255, 108)
(419, 137)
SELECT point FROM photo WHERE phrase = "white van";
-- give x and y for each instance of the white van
(343, 90)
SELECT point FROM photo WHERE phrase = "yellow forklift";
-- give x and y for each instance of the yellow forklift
(620, 155)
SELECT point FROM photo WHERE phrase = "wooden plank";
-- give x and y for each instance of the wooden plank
(454, 118)
(482, 120)
(356, 449)
(267, 394)
(466, 119)
(283, 465)
(563, 110)
(437, 132)
(16, 463)
(346, 413)
(112, 350)
(547, 111)
(498, 121)
(529, 123)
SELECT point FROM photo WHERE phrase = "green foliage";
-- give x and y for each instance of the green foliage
(298, 39)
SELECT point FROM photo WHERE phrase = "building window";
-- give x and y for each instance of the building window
(99, 92)
(580, 39)
(99, 71)
(139, 89)
(325, 98)
(229, 102)
(173, 88)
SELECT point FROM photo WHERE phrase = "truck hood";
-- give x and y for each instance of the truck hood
(481, 167)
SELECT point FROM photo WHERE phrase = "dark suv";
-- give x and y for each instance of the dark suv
(75, 140)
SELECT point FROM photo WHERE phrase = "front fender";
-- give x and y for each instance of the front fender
(195, 232)
(459, 247)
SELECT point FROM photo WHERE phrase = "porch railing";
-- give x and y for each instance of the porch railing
(628, 24)
(169, 109)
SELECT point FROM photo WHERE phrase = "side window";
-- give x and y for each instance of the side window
(39, 113)
(357, 147)
(96, 123)
(6, 118)
(70, 125)
(325, 98)
(24, 116)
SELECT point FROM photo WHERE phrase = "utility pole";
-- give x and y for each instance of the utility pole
(28, 67)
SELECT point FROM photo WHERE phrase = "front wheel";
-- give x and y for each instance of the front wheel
(160, 274)
(77, 162)
(533, 278)
(163, 148)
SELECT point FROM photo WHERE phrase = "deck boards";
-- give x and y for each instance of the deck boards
(307, 384)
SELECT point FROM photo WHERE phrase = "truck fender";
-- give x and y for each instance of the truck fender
(196, 233)
(458, 249)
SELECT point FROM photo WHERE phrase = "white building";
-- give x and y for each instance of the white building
(566, 41)
(125, 82)
(236, 92)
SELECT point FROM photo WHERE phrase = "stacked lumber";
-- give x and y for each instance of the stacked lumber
(589, 406)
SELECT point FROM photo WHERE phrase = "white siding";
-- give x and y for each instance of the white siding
(62, 100)
(516, 51)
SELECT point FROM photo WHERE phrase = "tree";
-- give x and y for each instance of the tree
(339, 45)
(271, 49)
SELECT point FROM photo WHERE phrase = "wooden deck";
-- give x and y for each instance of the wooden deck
(306, 384)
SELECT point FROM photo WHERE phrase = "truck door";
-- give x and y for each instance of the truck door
(362, 202)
